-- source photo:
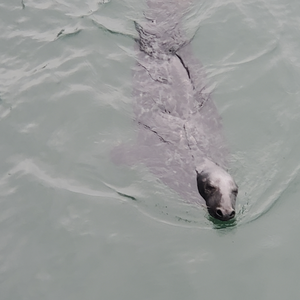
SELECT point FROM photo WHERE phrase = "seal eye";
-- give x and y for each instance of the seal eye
(209, 188)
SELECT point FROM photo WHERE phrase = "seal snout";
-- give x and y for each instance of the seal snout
(225, 214)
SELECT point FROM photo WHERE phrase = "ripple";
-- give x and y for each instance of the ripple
(28, 167)
(260, 208)
(113, 26)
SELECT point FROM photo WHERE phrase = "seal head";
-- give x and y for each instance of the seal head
(219, 191)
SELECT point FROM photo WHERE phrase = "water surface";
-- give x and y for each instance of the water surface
(75, 225)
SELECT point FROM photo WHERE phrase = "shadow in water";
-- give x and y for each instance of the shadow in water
(217, 224)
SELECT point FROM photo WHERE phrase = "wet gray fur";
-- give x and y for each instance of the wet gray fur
(179, 127)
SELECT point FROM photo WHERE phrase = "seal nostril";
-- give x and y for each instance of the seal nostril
(219, 213)
(232, 214)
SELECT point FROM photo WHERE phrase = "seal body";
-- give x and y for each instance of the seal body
(180, 135)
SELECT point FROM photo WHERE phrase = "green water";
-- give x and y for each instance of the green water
(74, 225)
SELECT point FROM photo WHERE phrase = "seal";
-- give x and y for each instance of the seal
(180, 136)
